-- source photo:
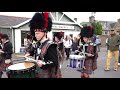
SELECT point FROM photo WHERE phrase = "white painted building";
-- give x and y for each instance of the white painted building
(61, 22)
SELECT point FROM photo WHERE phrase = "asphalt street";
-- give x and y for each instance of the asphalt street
(68, 72)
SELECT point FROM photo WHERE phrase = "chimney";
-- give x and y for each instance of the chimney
(91, 19)
(75, 19)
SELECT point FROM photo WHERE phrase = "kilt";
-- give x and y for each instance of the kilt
(90, 63)
(48, 73)
(90, 66)
(3, 65)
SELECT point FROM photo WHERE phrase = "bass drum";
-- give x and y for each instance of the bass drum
(21, 70)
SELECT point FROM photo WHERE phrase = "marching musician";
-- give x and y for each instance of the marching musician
(90, 52)
(30, 44)
(6, 53)
(47, 61)
(58, 39)
(1, 58)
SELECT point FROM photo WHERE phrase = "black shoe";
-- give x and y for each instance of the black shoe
(1, 74)
(67, 58)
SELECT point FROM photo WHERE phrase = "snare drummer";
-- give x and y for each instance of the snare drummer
(1, 58)
(46, 51)
(6, 52)
(91, 52)
(58, 39)
(30, 44)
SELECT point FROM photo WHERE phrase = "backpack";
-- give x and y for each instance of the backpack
(57, 70)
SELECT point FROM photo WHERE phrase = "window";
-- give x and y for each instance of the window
(106, 32)
(23, 36)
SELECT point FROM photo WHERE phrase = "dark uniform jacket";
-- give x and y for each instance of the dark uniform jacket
(51, 55)
(7, 48)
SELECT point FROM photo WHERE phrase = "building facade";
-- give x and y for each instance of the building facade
(17, 32)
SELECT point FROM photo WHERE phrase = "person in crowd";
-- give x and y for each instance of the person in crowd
(58, 39)
(1, 58)
(98, 42)
(106, 41)
(113, 49)
(6, 52)
(74, 45)
(30, 44)
(67, 44)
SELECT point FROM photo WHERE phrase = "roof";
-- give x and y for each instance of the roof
(15, 22)
(57, 22)
(73, 20)
(112, 25)
(8, 21)
(108, 24)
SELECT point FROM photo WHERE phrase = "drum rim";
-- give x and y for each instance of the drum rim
(21, 69)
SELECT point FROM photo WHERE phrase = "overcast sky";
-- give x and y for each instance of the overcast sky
(82, 16)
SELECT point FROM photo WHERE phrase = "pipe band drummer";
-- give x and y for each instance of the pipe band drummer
(45, 51)
(89, 50)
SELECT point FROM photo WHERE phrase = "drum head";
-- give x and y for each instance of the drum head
(21, 66)
(76, 57)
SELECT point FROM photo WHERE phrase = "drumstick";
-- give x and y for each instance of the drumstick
(30, 59)
(20, 55)
(83, 53)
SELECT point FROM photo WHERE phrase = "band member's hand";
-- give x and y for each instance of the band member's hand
(27, 55)
(78, 46)
(62, 60)
(90, 55)
(1, 51)
(76, 51)
(40, 63)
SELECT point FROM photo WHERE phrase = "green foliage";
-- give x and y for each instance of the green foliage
(97, 28)
(83, 24)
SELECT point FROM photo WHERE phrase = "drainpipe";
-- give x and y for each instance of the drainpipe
(13, 43)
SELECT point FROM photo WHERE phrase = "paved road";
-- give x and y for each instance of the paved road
(99, 73)
(68, 72)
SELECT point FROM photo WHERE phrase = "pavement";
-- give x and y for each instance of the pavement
(68, 72)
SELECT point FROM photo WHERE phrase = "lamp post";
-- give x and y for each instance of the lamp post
(95, 22)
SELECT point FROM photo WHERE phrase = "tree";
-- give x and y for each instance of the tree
(83, 24)
(97, 26)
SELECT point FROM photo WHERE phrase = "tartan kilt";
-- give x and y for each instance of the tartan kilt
(43, 74)
(90, 66)
(58, 73)
(3, 65)
(40, 73)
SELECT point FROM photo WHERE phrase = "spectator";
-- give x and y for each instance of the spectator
(98, 42)
(113, 49)
(67, 44)
(6, 52)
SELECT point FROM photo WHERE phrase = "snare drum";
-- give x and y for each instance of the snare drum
(21, 70)
(76, 61)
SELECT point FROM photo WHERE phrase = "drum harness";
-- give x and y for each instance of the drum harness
(83, 52)
(38, 48)
(38, 52)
